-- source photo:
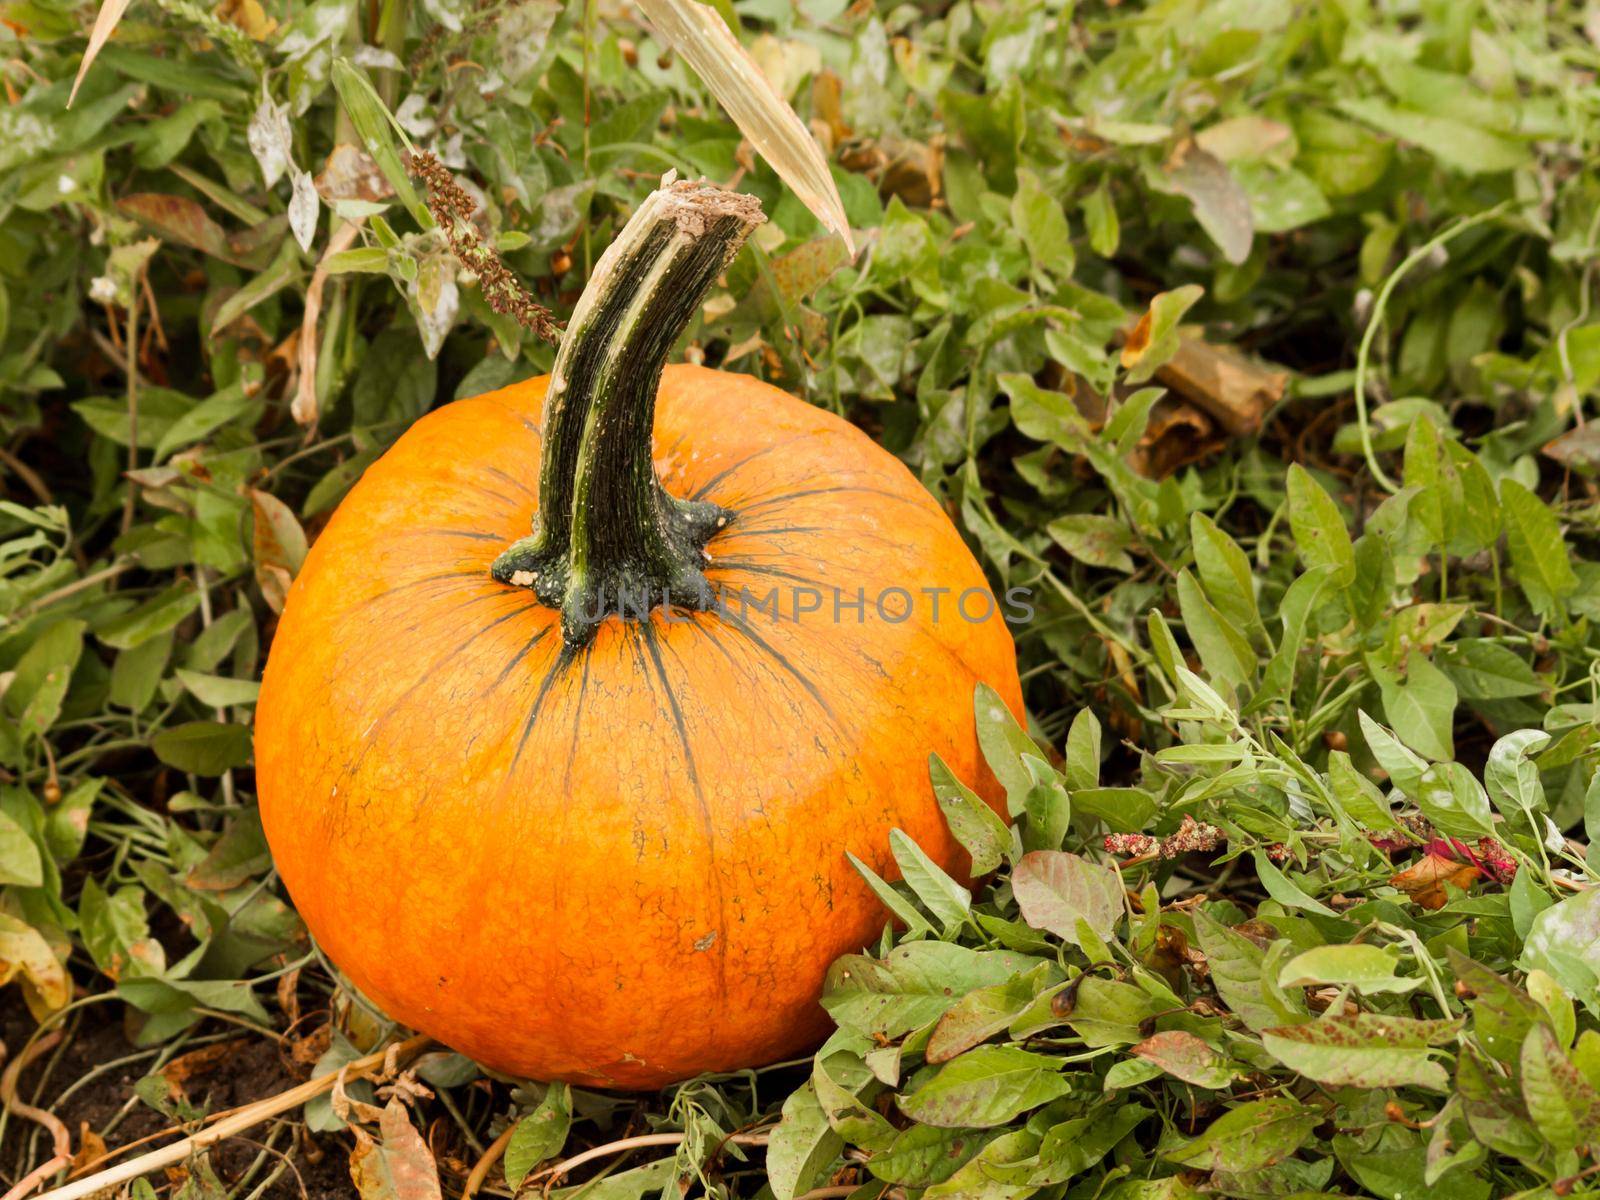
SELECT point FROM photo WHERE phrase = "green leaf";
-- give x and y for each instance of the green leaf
(203, 747)
(1184, 1056)
(1561, 1103)
(1565, 943)
(1453, 142)
(219, 691)
(1225, 571)
(1421, 708)
(20, 861)
(1455, 802)
(946, 899)
(539, 1135)
(1236, 971)
(230, 404)
(1081, 769)
(975, 825)
(378, 130)
(1538, 554)
(1320, 534)
(1004, 744)
(1226, 655)
(1100, 218)
(982, 1013)
(1365, 967)
(1405, 769)
(802, 1147)
(925, 1154)
(913, 986)
(1365, 1050)
(1099, 541)
(1041, 225)
(1511, 776)
(1249, 1137)
(1055, 890)
(1358, 795)
(153, 618)
(1283, 889)
(39, 684)
(986, 1087)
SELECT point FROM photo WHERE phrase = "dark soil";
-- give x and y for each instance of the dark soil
(237, 1071)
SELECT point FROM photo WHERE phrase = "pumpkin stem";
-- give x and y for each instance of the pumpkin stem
(608, 539)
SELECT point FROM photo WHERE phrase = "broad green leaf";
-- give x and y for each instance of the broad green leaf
(1225, 571)
(913, 986)
(1082, 766)
(1004, 744)
(986, 1087)
(801, 1148)
(1366, 1050)
(1284, 890)
(946, 899)
(1365, 967)
(1249, 1137)
(975, 825)
(1236, 971)
(1560, 1101)
(1184, 1056)
(1538, 553)
(1511, 777)
(926, 1154)
(203, 747)
(1320, 533)
(1420, 707)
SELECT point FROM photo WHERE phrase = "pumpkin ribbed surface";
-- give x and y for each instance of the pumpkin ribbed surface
(621, 863)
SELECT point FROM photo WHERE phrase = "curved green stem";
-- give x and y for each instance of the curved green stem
(608, 539)
(1379, 308)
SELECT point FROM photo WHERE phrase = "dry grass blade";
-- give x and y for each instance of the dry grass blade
(104, 22)
(695, 31)
(304, 406)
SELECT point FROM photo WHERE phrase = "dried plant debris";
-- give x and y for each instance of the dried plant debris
(454, 210)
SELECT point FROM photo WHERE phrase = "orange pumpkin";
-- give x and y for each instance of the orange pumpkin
(580, 808)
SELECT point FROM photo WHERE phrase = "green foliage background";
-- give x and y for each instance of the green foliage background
(1356, 640)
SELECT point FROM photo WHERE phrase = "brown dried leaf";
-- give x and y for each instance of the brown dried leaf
(249, 16)
(180, 1070)
(91, 1149)
(1236, 391)
(1424, 880)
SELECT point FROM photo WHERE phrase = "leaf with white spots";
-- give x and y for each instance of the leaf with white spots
(303, 208)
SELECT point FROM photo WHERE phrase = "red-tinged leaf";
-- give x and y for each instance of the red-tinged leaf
(1424, 881)
(279, 544)
(179, 219)
(398, 1168)
(1055, 890)
(1184, 1056)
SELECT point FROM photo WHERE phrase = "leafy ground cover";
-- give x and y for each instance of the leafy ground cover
(1256, 340)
